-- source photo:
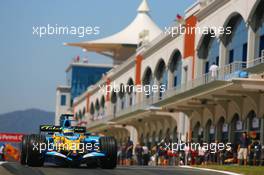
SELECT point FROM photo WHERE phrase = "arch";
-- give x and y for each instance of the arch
(256, 17)
(113, 97)
(97, 105)
(256, 21)
(160, 135)
(130, 91)
(121, 95)
(121, 92)
(197, 133)
(204, 43)
(83, 112)
(102, 101)
(130, 85)
(175, 67)
(168, 133)
(147, 140)
(235, 38)
(235, 131)
(160, 68)
(141, 139)
(208, 50)
(161, 76)
(231, 23)
(209, 131)
(80, 114)
(175, 58)
(175, 134)
(153, 138)
(253, 125)
(222, 130)
(147, 76)
(92, 110)
(147, 80)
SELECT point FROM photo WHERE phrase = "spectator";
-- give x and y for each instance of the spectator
(161, 152)
(129, 151)
(139, 152)
(255, 153)
(243, 148)
(213, 69)
(123, 154)
(154, 153)
(145, 155)
(119, 155)
(201, 155)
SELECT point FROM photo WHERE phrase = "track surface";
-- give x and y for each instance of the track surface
(17, 169)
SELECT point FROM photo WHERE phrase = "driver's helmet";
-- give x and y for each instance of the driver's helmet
(68, 132)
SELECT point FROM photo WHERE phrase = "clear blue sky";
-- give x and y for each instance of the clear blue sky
(32, 67)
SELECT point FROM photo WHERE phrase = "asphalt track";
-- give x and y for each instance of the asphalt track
(17, 169)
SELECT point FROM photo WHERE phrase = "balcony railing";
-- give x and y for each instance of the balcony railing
(226, 73)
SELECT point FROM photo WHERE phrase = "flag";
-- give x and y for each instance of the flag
(179, 17)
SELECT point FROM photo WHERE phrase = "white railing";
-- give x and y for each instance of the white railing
(255, 62)
(226, 73)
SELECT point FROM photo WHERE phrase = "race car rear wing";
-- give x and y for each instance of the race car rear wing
(52, 128)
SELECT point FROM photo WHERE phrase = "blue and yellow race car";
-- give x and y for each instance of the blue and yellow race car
(70, 146)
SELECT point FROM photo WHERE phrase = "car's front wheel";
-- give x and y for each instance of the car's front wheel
(24, 150)
(35, 154)
(108, 146)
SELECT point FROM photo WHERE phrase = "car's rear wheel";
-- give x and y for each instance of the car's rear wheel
(35, 155)
(108, 146)
(24, 150)
(92, 164)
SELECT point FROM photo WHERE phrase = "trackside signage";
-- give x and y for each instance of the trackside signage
(10, 137)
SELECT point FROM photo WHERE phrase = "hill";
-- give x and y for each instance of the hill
(26, 121)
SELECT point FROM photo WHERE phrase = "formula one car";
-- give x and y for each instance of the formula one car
(68, 145)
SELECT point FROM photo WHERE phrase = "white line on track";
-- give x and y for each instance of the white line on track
(212, 170)
(1, 162)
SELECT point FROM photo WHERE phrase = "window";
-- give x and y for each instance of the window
(217, 60)
(244, 54)
(231, 56)
(175, 81)
(207, 67)
(261, 45)
(63, 100)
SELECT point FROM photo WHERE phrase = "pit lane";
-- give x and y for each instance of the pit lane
(17, 169)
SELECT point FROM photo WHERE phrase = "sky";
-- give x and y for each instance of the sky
(31, 67)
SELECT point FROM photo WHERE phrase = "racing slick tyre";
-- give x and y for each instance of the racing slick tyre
(92, 165)
(35, 157)
(108, 146)
(24, 150)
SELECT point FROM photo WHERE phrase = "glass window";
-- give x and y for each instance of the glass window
(238, 43)
(175, 81)
(261, 45)
(80, 78)
(261, 39)
(213, 54)
(231, 56)
(63, 100)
